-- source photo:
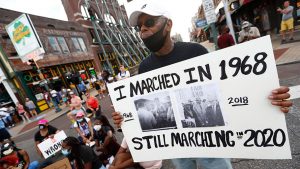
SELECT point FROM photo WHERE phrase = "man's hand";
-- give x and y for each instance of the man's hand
(118, 118)
(278, 98)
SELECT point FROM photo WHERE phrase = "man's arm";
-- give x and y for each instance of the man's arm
(25, 157)
(37, 148)
(117, 118)
(91, 130)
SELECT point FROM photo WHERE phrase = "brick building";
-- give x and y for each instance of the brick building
(67, 49)
(113, 41)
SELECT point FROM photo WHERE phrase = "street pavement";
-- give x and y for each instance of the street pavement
(288, 65)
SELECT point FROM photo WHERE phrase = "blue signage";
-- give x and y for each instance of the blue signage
(201, 23)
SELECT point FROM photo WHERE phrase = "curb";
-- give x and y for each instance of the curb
(27, 131)
(288, 63)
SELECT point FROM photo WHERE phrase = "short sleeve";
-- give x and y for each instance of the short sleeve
(75, 124)
(124, 144)
(37, 137)
(52, 130)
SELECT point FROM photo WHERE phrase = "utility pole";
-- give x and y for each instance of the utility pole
(228, 19)
(209, 9)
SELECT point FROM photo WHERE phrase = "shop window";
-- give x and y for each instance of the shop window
(63, 44)
(54, 44)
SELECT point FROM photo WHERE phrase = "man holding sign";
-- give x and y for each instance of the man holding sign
(154, 27)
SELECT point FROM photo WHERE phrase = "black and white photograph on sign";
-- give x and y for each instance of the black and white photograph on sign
(199, 106)
(155, 112)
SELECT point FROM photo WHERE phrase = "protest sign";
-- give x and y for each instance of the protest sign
(52, 145)
(214, 105)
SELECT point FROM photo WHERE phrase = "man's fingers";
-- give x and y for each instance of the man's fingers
(280, 96)
(283, 103)
(284, 109)
(282, 89)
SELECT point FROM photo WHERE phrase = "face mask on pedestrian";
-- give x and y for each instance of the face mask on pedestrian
(79, 120)
(65, 152)
(41, 126)
(97, 127)
(156, 41)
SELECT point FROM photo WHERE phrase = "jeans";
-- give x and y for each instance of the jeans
(205, 163)
(33, 165)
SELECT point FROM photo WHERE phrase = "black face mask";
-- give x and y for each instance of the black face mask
(156, 41)
(42, 126)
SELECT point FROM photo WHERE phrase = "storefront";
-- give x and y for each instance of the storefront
(55, 77)
(263, 14)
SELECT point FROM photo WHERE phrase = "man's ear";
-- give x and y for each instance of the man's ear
(169, 25)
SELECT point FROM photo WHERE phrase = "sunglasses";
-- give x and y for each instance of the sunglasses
(148, 23)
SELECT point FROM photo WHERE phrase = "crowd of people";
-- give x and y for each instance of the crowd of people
(94, 132)
(248, 31)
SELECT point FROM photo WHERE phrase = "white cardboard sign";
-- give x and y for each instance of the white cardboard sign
(214, 105)
(52, 145)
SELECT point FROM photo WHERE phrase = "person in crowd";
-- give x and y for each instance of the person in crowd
(65, 99)
(75, 106)
(107, 77)
(4, 134)
(93, 80)
(287, 22)
(123, 74)
(21, 111)
(47, 98)
(45, 131)
(9, 162)
(93, 106)
(225, 39)
(102, 89)
(248, 32)
(82, 88)
(105, 139)
(84, 128)
(123, 159)
(9, 149)
(55, 100)
(74, 89)
(154, 28)
(31, 107)
(97, 87)
(83, 156)
(6, 117)
(87, 84)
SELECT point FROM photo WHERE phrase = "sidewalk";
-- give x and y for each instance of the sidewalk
(284, 53)
(49, 114)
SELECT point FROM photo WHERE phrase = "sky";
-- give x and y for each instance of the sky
(181, 10)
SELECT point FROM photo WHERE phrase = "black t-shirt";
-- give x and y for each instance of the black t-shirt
(87, 154)
(182, 51)
(40, 138)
